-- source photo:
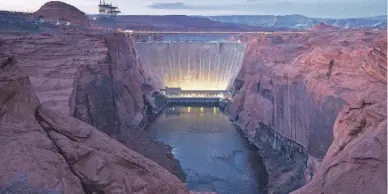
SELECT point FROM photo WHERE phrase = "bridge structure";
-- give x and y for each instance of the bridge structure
(240, 36)
(213, 32)
(179, 97)
(194, 101)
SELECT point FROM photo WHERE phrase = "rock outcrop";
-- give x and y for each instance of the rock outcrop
(356, 161)
(62, 12)
(292, 89)
(103, 164)
(29, 160)
(96, 78)
(46, 151)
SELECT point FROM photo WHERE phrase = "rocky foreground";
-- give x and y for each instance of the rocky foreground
(96, 78)
(45, 149)
(320, 99)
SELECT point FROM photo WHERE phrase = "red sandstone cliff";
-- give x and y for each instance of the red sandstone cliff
(56, 152)
(47, 150)
(356, 161)
(63, 12)
(96, 78)
(325, 92)
(29, 160)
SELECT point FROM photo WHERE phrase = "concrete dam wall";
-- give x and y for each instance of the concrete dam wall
(192, 65)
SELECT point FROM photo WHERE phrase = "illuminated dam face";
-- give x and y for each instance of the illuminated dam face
(192, 66)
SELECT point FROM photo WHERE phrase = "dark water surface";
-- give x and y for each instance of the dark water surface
(211, 151)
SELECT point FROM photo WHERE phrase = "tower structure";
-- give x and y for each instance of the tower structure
(107, 9)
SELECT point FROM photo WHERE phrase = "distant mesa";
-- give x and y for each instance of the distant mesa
(62, 12)
(323, 27)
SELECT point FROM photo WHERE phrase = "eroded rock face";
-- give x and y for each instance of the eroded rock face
(63, 12)
(29, 160)
(53, 152)
(103, 164)
(52, 60)
(296, 85)
(98, 79)
(112, 87)
(356, 161)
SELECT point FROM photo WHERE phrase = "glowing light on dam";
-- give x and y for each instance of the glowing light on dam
(192, 65)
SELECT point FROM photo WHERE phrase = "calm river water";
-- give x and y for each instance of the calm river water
(211, 151)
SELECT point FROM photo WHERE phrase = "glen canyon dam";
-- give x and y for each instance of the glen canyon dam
(107, 99)
(192, 66)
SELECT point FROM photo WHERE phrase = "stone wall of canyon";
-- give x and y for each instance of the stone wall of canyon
(292, 91)
(98, 79)
(46, 151)
(72, 70)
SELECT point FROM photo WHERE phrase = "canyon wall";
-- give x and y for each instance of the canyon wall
(192, 65)
(113, 87)
(46, 151)
(356, 161)
(83, 73)
(291, 90)
(98, 79)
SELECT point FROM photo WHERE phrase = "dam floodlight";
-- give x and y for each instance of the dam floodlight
(199, 70)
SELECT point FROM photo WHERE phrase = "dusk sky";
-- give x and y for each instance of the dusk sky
(311, 8)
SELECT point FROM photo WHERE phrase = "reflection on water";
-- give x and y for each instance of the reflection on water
(212, 153)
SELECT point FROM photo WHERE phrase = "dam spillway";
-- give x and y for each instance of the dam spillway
(204, 66)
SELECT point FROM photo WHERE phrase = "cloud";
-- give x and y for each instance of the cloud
(183, 6)
(177, 5)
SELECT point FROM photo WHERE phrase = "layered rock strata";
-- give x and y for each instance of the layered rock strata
(48, 151)
(292, 89)
(96, 78)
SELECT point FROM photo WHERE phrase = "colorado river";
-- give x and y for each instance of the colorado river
(211, 151)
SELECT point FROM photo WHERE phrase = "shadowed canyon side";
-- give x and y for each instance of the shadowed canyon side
(55, 152)
(192, 66)
(313, 97)
(86, 74)
(29, 159)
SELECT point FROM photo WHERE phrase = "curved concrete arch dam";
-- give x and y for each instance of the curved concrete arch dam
(192, 66)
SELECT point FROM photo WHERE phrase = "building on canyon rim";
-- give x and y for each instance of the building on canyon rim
(107, 9)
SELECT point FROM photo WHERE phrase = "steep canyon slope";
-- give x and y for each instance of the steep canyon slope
(52, 151)
(325, 92)
(96, 78)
